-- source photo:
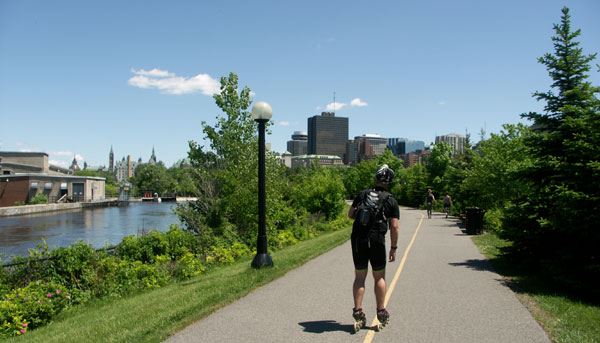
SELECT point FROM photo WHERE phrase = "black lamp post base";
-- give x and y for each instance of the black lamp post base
(262, 260)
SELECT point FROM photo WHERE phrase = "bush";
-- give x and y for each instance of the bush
(187, 266)
(492, 221)
(39, 199)
(31, 307)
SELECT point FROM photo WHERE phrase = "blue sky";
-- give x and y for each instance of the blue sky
(79, 76)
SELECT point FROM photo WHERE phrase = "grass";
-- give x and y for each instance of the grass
(566, 316)
(153, 316)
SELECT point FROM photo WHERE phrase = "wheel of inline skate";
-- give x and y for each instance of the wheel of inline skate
(356, 327)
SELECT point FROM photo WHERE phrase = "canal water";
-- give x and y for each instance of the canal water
(99, 227)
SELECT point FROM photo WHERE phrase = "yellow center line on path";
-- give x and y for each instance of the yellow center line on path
(371, 333)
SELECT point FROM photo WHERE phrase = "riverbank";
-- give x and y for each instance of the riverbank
(154, 315)
(33, 209)
(11, 211)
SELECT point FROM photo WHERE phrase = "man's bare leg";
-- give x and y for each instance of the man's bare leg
(380, 287)
(358, 288)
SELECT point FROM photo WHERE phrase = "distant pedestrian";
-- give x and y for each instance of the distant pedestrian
(429, 200)
(447, 203)
(373, 211)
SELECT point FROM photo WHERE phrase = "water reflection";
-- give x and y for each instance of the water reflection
(98, 226)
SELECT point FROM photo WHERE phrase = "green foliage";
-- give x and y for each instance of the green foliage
(152, 178)
(490, 179)
(412, 186)
(30, 307)
(437, 165)
(321, 190)
(492, 221)
(555, 223)
(188, 265)
(227, 179)
(182, 181)
(40, 198)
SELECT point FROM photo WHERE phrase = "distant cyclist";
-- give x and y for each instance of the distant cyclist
(447, 203)
(373, 211)
(429, 200)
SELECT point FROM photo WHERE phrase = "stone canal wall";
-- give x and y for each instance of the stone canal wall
(33, 209)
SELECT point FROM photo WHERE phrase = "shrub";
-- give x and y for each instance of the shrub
(187, 266)
(39, 199)
(492, 221)
(286, 238)
(31, 307)
(75, 267)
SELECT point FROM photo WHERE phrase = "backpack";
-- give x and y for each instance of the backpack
(430, 198)
(369, 209)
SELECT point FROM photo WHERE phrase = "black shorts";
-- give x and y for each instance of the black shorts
(365, 250)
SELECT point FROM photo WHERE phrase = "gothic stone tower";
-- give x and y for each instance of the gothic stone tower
(111, 160)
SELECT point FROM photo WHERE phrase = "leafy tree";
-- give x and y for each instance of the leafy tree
(489, 182)
(321, 191)
(556, 222)
(152, 178)
(183, 181)
(437, 164)
(227, 175)
(350, 179)
(412, 185)
(487, 179)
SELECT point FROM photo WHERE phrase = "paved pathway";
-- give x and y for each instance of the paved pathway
(445, 291)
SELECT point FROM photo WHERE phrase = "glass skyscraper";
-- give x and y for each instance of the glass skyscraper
(327, 135)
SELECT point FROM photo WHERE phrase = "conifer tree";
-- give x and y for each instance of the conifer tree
(556, 222)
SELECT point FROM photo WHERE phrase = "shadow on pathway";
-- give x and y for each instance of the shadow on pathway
(321, 326)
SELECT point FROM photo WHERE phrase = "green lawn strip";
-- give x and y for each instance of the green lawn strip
(153, 316)
(563, 315)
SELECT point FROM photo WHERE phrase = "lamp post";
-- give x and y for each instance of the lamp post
(261, 113)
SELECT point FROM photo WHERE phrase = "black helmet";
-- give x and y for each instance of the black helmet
(384, 175)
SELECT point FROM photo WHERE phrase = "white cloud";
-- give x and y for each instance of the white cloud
(284, 123)
(62, 153)
(172, 84)
(153, 73)
(335, 106)
(251, 92)
(59, 163)
(26, 150)
(357, 102)
(442, 103)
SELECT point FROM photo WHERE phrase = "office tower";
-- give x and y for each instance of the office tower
(299, 143)
(365, 147)
(400, 146)
(327, 135)
(456, 142)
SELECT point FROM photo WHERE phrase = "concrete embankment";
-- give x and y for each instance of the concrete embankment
(33, 209)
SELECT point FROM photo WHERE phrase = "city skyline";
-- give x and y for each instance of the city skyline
(76, 77)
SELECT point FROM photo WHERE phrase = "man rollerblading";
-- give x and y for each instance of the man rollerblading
(374, 211)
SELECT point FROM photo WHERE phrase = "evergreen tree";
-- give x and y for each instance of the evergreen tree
(556, 223)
